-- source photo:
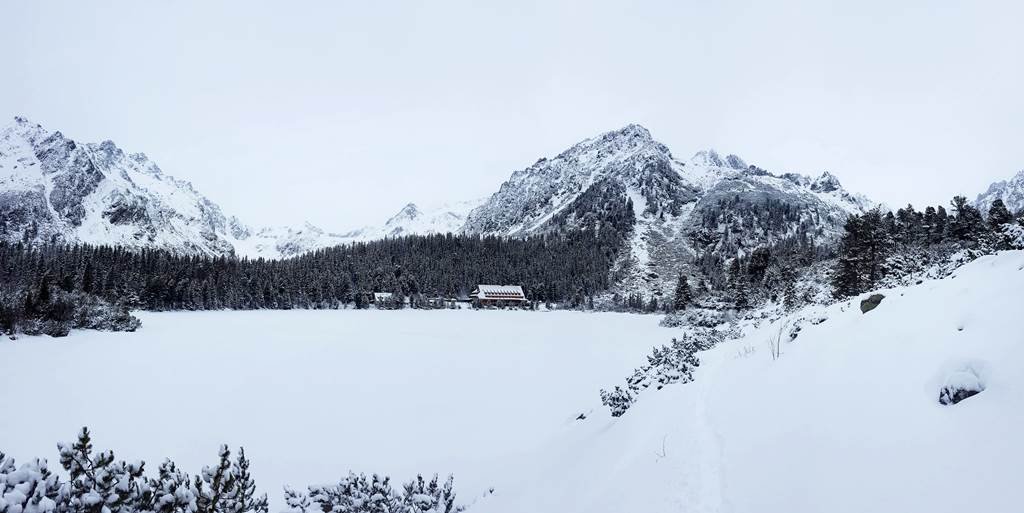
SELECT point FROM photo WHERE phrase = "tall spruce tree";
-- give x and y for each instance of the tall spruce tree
(998, 215)
(684, 296)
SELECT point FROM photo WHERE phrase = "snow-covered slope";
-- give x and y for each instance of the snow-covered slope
(1010, 191)
(672, 201)
(847, 419)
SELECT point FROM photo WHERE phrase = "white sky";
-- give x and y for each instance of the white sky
(341, 112)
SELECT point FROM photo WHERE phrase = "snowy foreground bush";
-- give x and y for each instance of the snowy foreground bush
(97, 483)
(669, 364)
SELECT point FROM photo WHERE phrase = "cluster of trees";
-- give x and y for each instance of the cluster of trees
(751, 251)
(44, 285)
(872, 244)
(99, 483)
(771, 216)
(358, 493)
(750, 277)
(673, 363)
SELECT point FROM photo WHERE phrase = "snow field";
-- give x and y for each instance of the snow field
(846, 419)
(312, 394)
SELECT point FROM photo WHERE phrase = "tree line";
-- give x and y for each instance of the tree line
(877, 245)
(51, 288)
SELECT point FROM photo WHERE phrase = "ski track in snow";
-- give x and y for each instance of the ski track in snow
(709, 445)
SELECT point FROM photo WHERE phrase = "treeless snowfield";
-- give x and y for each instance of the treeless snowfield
(313, 394)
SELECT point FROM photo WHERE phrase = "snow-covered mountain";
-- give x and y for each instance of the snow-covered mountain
(679, 207)
(1010, 191)
(412, 220)
(55, 189)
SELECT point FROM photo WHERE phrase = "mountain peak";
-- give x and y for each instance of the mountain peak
(633, 130)
(409, 211)
(827, 182)
(1010, 191)
(26, 129)
(711, 158)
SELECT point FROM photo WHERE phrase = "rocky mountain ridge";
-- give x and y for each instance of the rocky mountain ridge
(55, 189)
(1010, 191)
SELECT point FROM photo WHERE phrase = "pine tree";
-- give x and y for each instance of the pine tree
(172, 491)
(683, 296)
(998, 215)
(618, 400)
(29, 488)
(967, 222)
(98, 484)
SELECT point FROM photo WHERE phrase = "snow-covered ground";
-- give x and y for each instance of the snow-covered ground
(312, 394)
(847, 419)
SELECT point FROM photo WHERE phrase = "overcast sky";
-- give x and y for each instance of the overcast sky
(341, 112)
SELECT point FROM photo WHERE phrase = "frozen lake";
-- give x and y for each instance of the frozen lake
(313, 394)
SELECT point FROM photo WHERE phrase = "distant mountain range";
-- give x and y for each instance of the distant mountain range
(53, 188)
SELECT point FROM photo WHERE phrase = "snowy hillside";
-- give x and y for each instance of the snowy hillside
(847, 419)
(1010, 191)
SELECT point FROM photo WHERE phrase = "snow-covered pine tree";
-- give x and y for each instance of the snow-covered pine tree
(296, 502)
(98, 484)
(172, 491)
(684, 296)
(244, 499)
(228, 487)
(30, 488)
(967, 221)
(422, 496)
(618, 400)
(998, 215)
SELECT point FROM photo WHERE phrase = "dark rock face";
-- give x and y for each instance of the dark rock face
(75, 175)
(950, 395)
(18, 210)
(871, 302)
(127, 212)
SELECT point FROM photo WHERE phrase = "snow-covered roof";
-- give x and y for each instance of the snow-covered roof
(381, 295)
(499, 292)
